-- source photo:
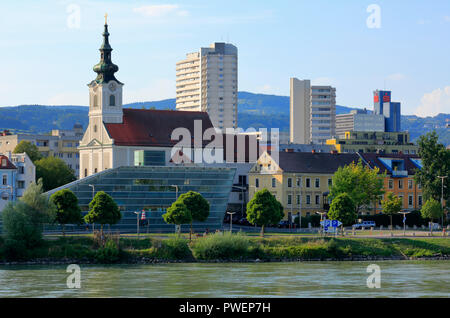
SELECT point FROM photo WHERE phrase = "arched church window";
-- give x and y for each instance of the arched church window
(95, 128)
(112, 100)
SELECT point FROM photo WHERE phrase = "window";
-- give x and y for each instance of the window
(308, 182)
(289, 182)
(95, 128)
(95, 101)
(410, 184)
(308, 199)
(21, 170)
(317, 182)
(298, 198)
(95, 170)
(317, 199)
(274, 184)
(289, 199)
(400, 184)
(21, 184)
(410, 200)
(391, 184)
(330, 183)
(5, 179)
(85, 172)
(299, 182)
(419, 199)
(257, 183)
(3, 162)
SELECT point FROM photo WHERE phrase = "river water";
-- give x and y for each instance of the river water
(297, 279)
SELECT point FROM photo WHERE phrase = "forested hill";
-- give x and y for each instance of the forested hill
(254, 110)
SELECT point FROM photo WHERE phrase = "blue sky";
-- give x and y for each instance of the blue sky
(47, 57)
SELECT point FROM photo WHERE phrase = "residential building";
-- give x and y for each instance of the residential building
(400, 170)
(378, 142)
(312, 112)
(299, 180)
(307, 148)
(26, 172)
(390, 110)
(207, 81)
(8, 181)
(59, 143)
(152, 189)
(359, 120)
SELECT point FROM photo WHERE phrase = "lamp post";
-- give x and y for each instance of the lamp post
(404, 221)
(442, 198)
(93, 195)
(137, 223)
(231, 220)
(321, 214)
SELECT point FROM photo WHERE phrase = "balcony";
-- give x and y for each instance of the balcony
(399, 173)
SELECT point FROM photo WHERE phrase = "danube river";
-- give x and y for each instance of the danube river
(305, 279)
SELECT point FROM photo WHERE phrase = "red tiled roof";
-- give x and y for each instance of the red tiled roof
(144, 127)
(9, 164)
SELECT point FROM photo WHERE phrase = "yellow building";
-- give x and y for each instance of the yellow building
(299, 180)
(371, 141)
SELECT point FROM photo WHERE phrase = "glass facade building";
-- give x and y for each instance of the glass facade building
(153, 189)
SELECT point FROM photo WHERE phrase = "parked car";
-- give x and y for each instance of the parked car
(365, 224)
(283, 224)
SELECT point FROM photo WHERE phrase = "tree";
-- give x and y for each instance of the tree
(30, 149)
(362, 184)
(197, 205)
(264, 209)
(54, 172)
(432, 210)
(103, 210)
(342, 209)
(42, 209)
(178, 214)
(391, 205)
(67, 209)
(435, 162)
(23, 220)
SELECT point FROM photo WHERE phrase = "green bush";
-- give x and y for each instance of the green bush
(13, 250)
(175, 248)
(108, 254)
(225, 246)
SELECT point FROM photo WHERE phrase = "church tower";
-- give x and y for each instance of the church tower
(105, 107)
(105, 92)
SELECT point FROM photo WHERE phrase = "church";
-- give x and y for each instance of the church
(118, 136)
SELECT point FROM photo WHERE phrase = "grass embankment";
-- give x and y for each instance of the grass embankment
(226, 247)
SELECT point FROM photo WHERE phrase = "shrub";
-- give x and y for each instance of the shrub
(176, 248)
(13, 250)
(108, 254)
(224, 246)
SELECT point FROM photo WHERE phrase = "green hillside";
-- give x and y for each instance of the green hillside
(254, 110)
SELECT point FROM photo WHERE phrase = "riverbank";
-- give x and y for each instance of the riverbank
(224, 248)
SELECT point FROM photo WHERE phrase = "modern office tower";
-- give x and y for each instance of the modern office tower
(208, 81)
(358, 120)
(312, 112)
(390, 110)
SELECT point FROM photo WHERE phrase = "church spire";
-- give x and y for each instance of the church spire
(105, 69)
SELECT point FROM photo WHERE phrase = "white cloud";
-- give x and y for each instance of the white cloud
(161, 10)
(438, 101)
(447, 18)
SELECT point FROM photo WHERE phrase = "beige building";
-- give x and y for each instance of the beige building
(207, 81)
(60, 143)
(312, 112)
(358, 120)
(299, 180)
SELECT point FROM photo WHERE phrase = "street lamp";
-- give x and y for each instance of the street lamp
(321, 213)
(442, 197)
(137, 223)
(231, 220)
(404, 221)
(176, 191)
(93, 195)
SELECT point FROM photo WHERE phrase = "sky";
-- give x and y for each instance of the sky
(48, 47)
